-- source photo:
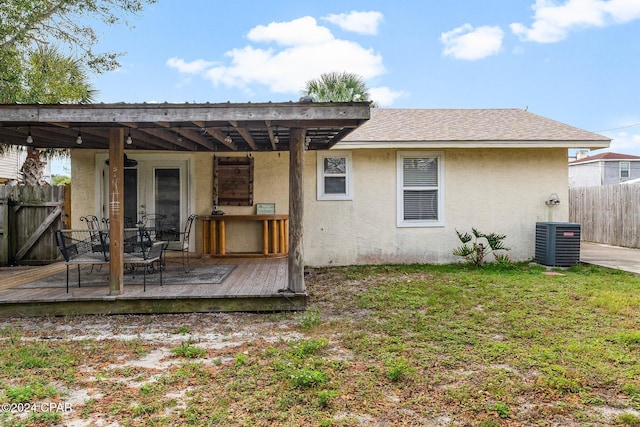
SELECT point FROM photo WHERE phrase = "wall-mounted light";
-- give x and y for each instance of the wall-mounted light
(552, 200)
(79, 138)
(129, 140)
(29, 137)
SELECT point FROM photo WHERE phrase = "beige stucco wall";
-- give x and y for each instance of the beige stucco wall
(494, 190)
(83, 188)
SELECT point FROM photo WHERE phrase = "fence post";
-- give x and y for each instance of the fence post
(4, 229)
(66, 216)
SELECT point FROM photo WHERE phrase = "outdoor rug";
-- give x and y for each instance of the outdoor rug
(172, 275)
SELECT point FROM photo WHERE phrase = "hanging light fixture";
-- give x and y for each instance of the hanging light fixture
(129, 140)
(276, 138)
(227, 138)
(79, 138)
(29, 137)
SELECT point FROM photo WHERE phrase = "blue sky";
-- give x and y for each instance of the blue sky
(575, 61)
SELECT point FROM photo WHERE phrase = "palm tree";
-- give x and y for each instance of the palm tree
(49, 77)
(337, 87)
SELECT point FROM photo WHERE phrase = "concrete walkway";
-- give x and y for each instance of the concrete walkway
(617, 257)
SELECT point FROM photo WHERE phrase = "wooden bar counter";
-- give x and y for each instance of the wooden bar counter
(275, 234)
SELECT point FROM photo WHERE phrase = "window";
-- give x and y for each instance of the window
(334, 176)
(233, 181)
(625, 168)
(420, 193)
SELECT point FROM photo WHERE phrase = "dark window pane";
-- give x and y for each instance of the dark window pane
(335, 185)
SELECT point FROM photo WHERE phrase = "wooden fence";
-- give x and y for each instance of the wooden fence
(608, 214)
(29, 216)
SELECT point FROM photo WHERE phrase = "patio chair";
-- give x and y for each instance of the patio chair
(128, 222)
(154, 223)
(78, 247)
(93, 226)
(179, 241)
(139, 249)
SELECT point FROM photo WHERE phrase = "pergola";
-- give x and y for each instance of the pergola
(291, 126)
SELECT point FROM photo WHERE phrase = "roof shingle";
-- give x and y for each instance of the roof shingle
(465, 125)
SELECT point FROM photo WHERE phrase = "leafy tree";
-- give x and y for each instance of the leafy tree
(60, 180)
(337, 87)
(33, 69)
(25, 23)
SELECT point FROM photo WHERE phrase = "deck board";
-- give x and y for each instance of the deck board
(252, 286)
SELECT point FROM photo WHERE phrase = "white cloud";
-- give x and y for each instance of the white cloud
(298, 56)
(384, 96)
(193, 67)
(358, 22)
(625, 143)
(553, 22)
(299, 32)
(470, 43)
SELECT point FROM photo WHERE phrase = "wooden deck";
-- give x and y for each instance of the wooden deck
(254, 285)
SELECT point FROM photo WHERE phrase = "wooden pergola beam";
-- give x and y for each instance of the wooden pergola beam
(116, 211)
(272, 136)
(244, 133)
(296, 211)
(220, 137)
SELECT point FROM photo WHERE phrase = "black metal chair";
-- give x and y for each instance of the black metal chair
(179, 241)
(79, 247)
(139, 249)
(154, 223)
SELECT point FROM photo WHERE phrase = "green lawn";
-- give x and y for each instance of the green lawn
(383, 345)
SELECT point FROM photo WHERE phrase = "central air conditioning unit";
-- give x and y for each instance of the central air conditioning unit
(557, 243)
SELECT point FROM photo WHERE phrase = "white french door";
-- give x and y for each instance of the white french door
(153, 188)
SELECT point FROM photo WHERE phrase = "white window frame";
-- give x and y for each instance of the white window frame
(401, 222)
(627, 169)
(322, 195)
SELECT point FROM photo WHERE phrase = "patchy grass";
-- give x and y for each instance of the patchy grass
(380, 345)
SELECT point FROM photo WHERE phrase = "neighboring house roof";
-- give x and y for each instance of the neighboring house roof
(604, 157)
(467, 128)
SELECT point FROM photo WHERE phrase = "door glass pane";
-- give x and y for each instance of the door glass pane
(130, 197)
(167, 203)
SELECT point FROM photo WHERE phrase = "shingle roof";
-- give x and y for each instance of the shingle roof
(387, 125)
(606, 156)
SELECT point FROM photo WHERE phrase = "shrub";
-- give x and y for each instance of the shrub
(475, 251)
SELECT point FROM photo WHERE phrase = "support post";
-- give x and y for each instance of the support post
(116, 211)
(296, 210)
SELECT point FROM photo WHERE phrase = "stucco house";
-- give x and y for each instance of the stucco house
(394, 190)
(603, 169)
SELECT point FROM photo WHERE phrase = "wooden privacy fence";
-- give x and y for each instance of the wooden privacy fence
(29, 216)
(608, 214)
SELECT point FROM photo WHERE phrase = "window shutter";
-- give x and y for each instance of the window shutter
(233, 181)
